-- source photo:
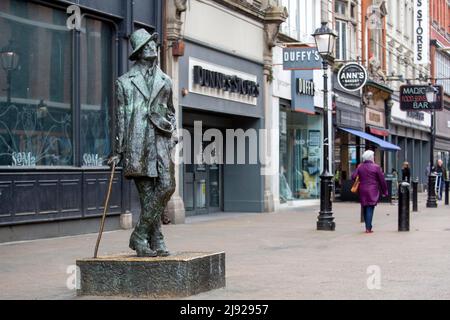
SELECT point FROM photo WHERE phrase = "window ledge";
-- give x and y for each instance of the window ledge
(53, 168)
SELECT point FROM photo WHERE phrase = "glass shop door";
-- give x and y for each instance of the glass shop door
(202, 187)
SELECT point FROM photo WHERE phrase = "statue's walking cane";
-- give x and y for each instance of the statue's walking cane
(102, 225)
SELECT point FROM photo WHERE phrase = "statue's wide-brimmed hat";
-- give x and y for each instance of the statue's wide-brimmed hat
(139, 39)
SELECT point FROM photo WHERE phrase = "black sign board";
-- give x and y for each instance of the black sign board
(414, 98)
(352, 76)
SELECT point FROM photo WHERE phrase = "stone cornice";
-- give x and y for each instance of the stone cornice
(250, 10)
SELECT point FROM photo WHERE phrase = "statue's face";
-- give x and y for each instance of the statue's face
(149, 51)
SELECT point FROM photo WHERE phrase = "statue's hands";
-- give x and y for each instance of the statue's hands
(115, 159)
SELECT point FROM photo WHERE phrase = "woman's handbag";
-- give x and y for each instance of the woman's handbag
(355, 186)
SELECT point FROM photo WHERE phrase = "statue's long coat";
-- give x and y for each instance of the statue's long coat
(145, 120)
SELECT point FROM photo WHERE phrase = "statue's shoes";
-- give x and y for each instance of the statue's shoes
(160, 248)
(143, 251)
(163, 253)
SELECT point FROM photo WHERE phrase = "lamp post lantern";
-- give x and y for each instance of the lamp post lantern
(431, 93)
(10, 61)
(325, 39)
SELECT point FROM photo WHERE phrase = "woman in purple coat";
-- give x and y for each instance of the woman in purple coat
(372, 181)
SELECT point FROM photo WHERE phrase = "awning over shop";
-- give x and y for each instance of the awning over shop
(381, 143)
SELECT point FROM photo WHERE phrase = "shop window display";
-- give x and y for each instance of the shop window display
(300, 156)
(37, 107)
(35, 100)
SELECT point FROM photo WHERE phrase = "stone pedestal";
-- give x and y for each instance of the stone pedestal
(179, 275)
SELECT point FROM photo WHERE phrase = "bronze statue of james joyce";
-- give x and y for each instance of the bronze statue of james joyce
(144, 123)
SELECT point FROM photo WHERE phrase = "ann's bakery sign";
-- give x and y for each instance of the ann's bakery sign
(217, 81)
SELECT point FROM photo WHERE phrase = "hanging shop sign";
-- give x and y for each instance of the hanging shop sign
(352, 76)
(414, 98)
(303, 91)
(301, 58)
(305, 87)
(212, 80)
(421, 32)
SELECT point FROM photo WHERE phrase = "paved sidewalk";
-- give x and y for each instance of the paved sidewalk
(270, 256)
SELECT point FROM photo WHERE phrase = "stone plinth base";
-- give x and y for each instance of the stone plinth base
(179, 275)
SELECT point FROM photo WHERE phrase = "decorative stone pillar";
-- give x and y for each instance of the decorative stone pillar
(274, 17)
(174, 9)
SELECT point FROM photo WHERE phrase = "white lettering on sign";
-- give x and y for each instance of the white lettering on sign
(232, 95)
(307, 55)
(421, 32)
(305, 87)
(23, 159)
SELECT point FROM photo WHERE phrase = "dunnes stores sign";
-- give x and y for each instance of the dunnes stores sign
(209, 79)
(414, 98)
(232, 83)
(421, 32)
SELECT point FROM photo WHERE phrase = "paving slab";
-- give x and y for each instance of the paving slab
(269, 256)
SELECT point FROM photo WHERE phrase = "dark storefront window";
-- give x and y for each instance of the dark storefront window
(35, 96)
(36, 103)
(96, 91)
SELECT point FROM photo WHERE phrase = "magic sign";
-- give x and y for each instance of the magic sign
(414, 98)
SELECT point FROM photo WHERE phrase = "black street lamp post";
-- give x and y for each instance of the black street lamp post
(431, 93)
(325, 40)
(10, 60)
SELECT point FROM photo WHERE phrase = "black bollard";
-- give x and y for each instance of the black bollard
(446, 192)
(403, 207)
(415, 184)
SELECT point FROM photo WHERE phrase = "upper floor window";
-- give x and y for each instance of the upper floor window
(292, 25)
(341, 41)
(340, 7)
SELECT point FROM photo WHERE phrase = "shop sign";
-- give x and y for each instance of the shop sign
(303, 92)
(301, 58)
(352, 76)
(217, 80)
(375, 118)
(421, 32)
(212, 80)
(305, 87)
(416, 115)
(349, 102)
(413, 97)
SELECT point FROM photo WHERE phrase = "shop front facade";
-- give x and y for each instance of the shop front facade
(442, 139)
(376, 98)
(221, 102)
(297, 100)
(56, 113)
(349, 114)
(410, 130)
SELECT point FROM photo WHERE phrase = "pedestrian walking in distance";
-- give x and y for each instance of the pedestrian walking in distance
(406, 172)
(441, 177)
(371, 182)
